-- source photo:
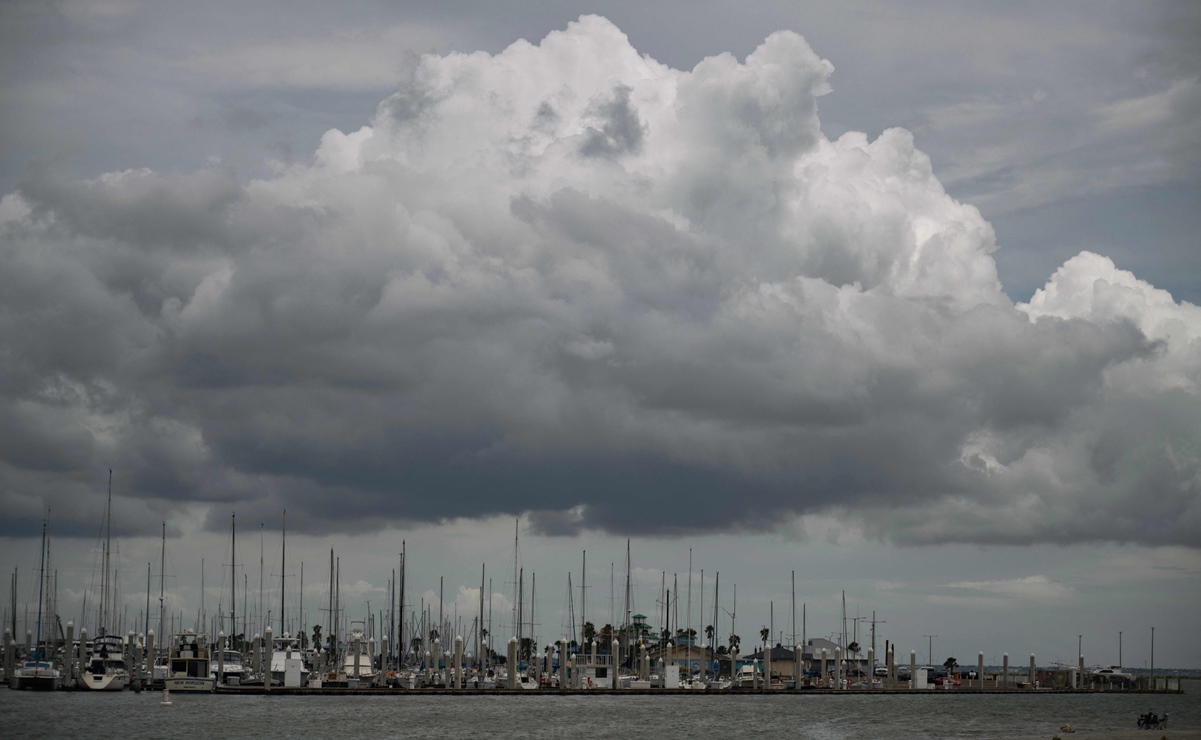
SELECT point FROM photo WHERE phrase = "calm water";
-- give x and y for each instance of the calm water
(130, 715)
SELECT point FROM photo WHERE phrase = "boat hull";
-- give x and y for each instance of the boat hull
(35, 683)
(186, 685)
(102, 682)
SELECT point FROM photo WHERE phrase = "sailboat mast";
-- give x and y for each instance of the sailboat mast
(283, 568)
(403, 565)
(794, 608)
(628, 606)
(37, 646)
(233, 571)
(516, 585)
(583, 594)
(105, 606)
(479, 632)
(162, 566)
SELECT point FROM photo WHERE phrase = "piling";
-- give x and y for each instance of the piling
(798, 666)
(767, 668)
(130, 648)
(267, 645)
(662, 672)
(148, 674)
(512, 662)
(438, 657)
(221, 657)
(1080, 679)
(83, 649)
(1033, 672)
(613, 654)
(891, 657)
(644, 665)
(838, 667)
(563, 663)
(383, 650)
(1005, 671)
(370, 651)
(355, 649)
(980, 670)
(871, 666)
(823, 673)
(69, 653)
(458, 661)
(29, 644)
(912, 669)
(10, 658)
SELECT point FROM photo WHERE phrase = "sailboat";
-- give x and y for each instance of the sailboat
(105, 669)
(38, 672)
(287, 659)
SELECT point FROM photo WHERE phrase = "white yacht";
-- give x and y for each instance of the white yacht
(105, 669)
(189, 671)
(230, 663)
(287, 662)
(357, 662)
(36, 675)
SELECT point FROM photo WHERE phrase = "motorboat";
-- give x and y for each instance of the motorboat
(36, 675)
(357, 662)
(189, 670)
(106, 669)
(287, 662)
(1113, 676)
(229, 667)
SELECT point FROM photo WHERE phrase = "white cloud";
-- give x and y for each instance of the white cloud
(568, 279)
(1035, 588)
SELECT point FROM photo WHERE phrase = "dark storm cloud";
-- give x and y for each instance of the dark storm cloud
(718, 319)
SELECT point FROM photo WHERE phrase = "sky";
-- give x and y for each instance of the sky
(902, 301)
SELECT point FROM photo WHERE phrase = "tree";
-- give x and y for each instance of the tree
(853, 648)
(589, 633)
(317, 635)
(709, 633)
(735, 643)
(764, 634)
(950, 664)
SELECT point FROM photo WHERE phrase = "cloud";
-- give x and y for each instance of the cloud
(568, 280)
(1031, 588)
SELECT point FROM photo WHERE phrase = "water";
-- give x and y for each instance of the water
(128, 715)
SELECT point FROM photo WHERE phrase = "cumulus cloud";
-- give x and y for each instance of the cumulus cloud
(567, 279)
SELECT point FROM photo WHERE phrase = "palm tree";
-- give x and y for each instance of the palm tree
(735, 643)
(709, 634)
(763, 635)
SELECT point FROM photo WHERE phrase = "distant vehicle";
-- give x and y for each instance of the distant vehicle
(881, 671)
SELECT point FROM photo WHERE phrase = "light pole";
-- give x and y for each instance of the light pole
(930, 650)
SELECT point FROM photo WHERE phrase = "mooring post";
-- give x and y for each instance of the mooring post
(512, 662)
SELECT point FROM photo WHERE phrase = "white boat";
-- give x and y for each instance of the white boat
(748, 677)
(36, 675)
(357, 662)
(106, 669)
(1112, 675)
(189, 671)
(287, 662)
(231, 664)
